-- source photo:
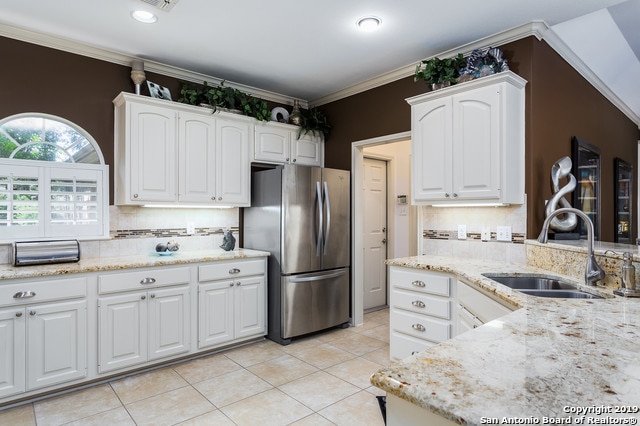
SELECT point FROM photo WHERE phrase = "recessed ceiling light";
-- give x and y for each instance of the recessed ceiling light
(368, 23)
(144, 16)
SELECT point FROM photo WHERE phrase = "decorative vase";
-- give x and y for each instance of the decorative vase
(295, 117)
(436, 86)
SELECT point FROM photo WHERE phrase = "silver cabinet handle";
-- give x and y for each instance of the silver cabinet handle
(234, 271)
(238, 283)
(219, 198)
(418, 303)
(143, 297)
(455, 195)
(446, 195)
(32, 313)
(231, 284)
(153, 296)
(418, 283)
(24, 294)
(148, 280)
(418, 327)
(18, 314)
(135, 195)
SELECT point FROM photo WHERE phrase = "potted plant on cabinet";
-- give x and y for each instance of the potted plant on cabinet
(315, 122)
(440, 72)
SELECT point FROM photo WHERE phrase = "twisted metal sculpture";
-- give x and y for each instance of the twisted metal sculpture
(561, 169)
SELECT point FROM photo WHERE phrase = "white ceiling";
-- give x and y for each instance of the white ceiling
(311, 50)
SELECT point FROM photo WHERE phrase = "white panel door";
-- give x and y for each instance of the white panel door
(249, 301)
(197, 158)
(233, 174)
(375, 226)
(307, 150)
(215, 324)
(57, 343)
(272, 144)
(168, 322)
(122, 330)
(12, 351)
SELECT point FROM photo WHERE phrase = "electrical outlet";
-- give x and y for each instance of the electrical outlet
(503, 233)
(191, 228)
(486, 234)
(462, 232)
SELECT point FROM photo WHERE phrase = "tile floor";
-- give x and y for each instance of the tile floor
(318, 380)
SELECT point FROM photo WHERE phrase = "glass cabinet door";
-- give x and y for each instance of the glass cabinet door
(623, 201)
(586, 160)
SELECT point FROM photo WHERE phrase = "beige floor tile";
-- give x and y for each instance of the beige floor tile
(205, 368)
(279, 371)
(313, 420)
(170, 407)
(380, 332)
(229, 388)
(302, 344)
(368, 325)
(379, 356)
(118, 416)
(213, 418)
(358, 344)
(356, 371)
(142, 386)
(375, 391)
(319, 390)
(22, 415)
(361, 409)
(324, 356)
(272, 407)
(333, 334)
(256, 353)
(76, 405)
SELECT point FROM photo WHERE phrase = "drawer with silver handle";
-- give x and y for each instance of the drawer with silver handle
(435, 306)
(235, 269)
(422, 281)
(143, 278)
(42, 291)
(420, 326)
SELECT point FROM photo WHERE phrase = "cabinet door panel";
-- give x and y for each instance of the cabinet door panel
(57, 343)
(249, 307)
(431, 150)
(232, 163)
(122, 331)
(153, 153)
(197, 155)
(12, 351)
(272, 144)
(215, 313)
(168, 322)
(307, 150)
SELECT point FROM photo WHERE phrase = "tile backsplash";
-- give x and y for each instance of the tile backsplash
(134, 230)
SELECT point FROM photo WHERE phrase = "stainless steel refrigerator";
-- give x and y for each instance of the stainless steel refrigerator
(301, 216)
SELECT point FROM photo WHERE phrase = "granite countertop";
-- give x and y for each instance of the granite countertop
(545, 359)
(150, 259)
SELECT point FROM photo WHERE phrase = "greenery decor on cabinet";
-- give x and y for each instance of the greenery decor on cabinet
(224, 97)
(314, 121)
(436, 71)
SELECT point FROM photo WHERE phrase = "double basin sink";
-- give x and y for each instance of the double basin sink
(542, 286)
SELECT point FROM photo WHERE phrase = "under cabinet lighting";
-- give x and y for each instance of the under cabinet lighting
(186, 206)
(368, 23)
(144, 16)
(472, 205)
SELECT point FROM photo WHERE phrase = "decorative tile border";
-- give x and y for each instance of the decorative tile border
(432, 234)
(171, 232)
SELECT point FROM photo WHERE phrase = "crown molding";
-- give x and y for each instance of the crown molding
(78, 48)
(561, 48)
(533, 28)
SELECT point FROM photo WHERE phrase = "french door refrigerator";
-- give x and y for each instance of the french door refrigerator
(301, 216)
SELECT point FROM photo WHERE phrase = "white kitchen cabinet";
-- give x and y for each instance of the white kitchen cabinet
(143, 325)
(468, 142)
(280, 144)
(232, 302)
(420, 310)
(177, 154)
(44, 340)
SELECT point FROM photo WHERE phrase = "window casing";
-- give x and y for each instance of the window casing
(53, 181)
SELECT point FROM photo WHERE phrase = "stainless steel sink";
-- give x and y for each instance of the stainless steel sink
(542, 286)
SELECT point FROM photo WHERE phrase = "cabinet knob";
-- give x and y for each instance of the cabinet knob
(455, 195)
(143, 297)
(418, 327)
(219, 198)
(18, 314)
(153, 296)
(32, 313)
(234, 271)
(418, 303)
(231, 284)
(294, 160)
(213, 198)
(418, 283)
(238, 283)
(287, 159)
(135, 195)
(148, 280)
(24, 295)
(446, 195)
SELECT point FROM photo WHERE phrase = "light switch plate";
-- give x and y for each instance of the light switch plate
(462, 232)
(503, 233)
(486, 234)
(191, 229)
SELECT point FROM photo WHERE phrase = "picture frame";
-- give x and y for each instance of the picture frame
(158, 92)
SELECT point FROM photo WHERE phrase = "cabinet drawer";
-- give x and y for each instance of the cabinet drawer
(425, 282)
(224, 270)
(421, 303)
(402, 346)
(420, 326)
(479, 304)
(149, 278)
(42, 291)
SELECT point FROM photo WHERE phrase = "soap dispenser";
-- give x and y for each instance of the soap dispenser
(628, 275)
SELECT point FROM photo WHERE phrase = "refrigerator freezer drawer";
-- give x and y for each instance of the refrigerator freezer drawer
(313, 302)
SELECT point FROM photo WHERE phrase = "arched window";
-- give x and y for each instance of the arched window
(53, 180)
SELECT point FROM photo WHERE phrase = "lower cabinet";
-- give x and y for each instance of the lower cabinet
(232, 301)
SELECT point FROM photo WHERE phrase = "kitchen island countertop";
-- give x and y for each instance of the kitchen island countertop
(150, 259)
(546, 359)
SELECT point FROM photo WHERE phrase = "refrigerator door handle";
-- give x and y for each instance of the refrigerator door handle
(321, 219)
(317, 277)
(328, 204)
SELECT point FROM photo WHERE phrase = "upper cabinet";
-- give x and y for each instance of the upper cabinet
(279, 144)
(171, 153)
(468, 143)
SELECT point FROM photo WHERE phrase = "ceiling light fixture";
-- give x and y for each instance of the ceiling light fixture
(369, 23)
(144, 16)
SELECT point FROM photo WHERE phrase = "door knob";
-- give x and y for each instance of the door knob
(384, 241)
(384, 229)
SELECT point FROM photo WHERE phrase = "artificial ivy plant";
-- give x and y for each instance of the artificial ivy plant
(438, 71)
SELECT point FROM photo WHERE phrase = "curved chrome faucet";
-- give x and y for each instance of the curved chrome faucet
(593, 272)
